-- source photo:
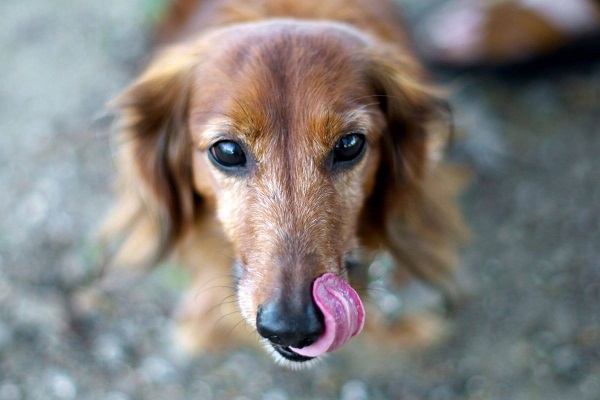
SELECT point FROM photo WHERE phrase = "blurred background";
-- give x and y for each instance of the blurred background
(529, 132)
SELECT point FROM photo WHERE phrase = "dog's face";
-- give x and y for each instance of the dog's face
(286, 134)
(287, 131)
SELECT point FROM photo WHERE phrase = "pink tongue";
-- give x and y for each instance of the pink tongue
(343, 313)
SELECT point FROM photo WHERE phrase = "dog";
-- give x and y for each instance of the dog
(273, 148)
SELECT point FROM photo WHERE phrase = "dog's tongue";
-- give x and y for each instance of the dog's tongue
(343, 312)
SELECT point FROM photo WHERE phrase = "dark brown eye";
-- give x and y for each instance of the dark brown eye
(349, 148)
(228, 154)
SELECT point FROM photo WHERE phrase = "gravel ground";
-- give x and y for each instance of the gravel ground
(531, 329)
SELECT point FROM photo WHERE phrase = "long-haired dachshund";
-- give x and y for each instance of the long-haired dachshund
(277, 145)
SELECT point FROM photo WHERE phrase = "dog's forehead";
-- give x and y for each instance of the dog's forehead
(305, 81)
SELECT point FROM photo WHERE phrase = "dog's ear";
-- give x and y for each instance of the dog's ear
(156, 201)
(412, 211)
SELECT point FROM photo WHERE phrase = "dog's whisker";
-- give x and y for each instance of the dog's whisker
(226, 301)
(217, 277)
(235, 262)
(204, 290)
(219, 305)
(242, 320)
(220, 319)
(369, 300)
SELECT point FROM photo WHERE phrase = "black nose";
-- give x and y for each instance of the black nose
(288, 326)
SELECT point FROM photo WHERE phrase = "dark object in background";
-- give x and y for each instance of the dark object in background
(514, 38)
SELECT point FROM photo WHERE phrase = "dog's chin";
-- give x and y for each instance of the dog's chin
(288, 358)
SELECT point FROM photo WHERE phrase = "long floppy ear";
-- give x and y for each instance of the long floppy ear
(156, 201)
(413, 211)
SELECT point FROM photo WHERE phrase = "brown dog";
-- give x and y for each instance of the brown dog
(291, 139)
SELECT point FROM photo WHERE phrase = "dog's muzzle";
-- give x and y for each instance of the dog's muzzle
(286, 326)
(300, 334)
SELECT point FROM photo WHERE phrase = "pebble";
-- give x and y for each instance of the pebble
(10, 391)
(590, 385)
(567, 363)
(354, 390)
(398, 388)
(157, 370)
(442, 392)
(275, 394)
(202, 390)
(476, 386)
(61, 385)
(5, 284)
(6, 337)
(73, 270)
(115, 396)
(32, 310)
(109, 350)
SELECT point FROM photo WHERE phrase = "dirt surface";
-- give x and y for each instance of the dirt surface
(531, 329)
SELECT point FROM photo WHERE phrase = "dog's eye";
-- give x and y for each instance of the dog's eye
(349, 147)
(228, 154)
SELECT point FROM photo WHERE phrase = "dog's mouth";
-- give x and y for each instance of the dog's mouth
(290, 354)
(343, 314)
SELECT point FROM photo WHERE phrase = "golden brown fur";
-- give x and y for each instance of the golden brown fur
(286, 79)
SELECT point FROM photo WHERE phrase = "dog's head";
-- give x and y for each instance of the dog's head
(304, 138)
